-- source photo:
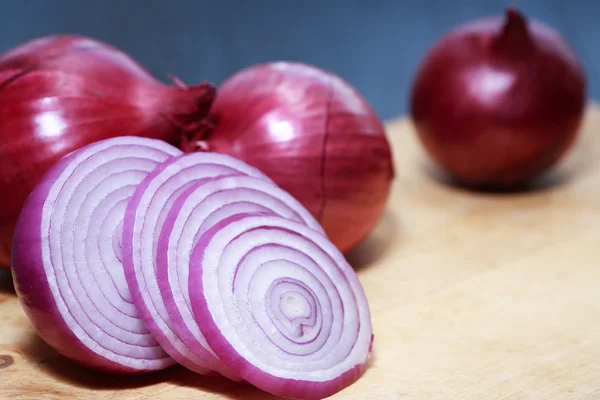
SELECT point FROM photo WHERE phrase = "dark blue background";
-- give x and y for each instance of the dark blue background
(374, 44)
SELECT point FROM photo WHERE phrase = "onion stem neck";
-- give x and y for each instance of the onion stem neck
(514, 39)
(194, 137)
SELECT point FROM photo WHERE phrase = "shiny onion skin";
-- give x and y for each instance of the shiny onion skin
(279, 303)
(144, 219)
(498, 101)
(59, 93)
(66, 257)
(314, 135)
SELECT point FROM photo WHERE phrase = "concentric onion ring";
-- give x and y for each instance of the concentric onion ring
(281, 305)
(194, 212)
(147, 216)
(67, 256)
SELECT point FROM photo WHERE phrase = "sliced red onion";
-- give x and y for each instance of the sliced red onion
(67, 257)
(280, 305)
(145, 216)
(197, 209)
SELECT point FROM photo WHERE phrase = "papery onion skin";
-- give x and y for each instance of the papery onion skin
(498, 101)
(32, 283)
(59, 93)
(209, 293)
(314, 135)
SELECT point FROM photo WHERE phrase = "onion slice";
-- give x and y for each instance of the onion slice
(280, 304)
(67, 256)
(194, 212)
(229, 185)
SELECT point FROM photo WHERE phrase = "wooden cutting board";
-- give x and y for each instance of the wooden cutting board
(474, 297)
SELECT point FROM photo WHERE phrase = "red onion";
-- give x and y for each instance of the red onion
(188, 194)
(314, 135)
(67, 256)
(129, 252)
(144, 219)
(194, 212)
(280, 305)
(497, 102)
(59, 93)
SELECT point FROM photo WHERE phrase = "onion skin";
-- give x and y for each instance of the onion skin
(44, 279)
(497, 102)
(314, 135)
(59, 93)
(235, 271)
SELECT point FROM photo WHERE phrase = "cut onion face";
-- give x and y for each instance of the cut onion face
(208, 187)
(280, 303)
(130, 256)
(193, 213)
(67, 256)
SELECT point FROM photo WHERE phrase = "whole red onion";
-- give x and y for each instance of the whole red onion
(314, 135)
(59, 93)
(497, 102)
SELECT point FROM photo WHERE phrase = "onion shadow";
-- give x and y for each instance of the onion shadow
(64, 370)
(377, 244)
(549, 180)
(233, 390)
(372, 358)
(46, 359)
(6, 283)
(179, 376)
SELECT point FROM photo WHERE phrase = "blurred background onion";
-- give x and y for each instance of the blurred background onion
(377, 47)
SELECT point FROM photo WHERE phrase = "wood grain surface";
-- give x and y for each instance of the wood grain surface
(475, 296)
